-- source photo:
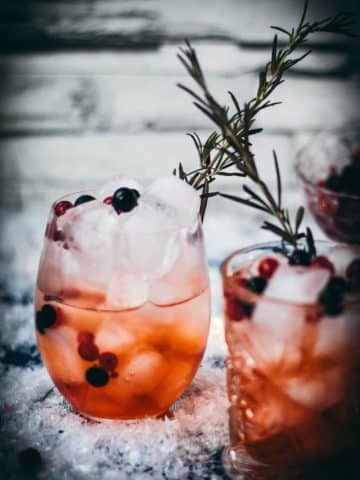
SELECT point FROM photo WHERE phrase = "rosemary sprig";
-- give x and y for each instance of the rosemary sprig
(228, 151)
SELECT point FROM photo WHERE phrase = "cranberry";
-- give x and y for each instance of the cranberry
(267, 267)
(353, 274)
(234, 309)
(108, 200)
(84, 199)
(108, 360)
(323, 262)
(97, 376)
(85, 337)
(125, 199)
(328, 204)
(61, 207)
(88, 351)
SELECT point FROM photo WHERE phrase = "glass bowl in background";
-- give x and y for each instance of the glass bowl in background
(337, 212)
(292, 377)
(122, 321)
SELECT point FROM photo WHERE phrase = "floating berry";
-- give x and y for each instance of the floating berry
(267, 267)
(124, 199)
(108, 360)
(108, 200)
(85, 337)
(30, 458)
(300, 257)
(84, 199)
(234, 309)
(45, 318)
(323, 262)
(353, 274)
(97, 376)
(256, 284)
(61, 207)
(88, 351)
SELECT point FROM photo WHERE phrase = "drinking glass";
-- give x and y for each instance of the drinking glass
(119, 340)
(292, 378)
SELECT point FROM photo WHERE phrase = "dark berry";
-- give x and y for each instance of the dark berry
(353, 275)
(323, 262)
(107, 201)
(30, 458)
(135, 192)
(85, 337)
(300, 257)
(256, 284)
(332, 296)
(84, 199)
(248, 309)
(267, 267)
(338, 285)
(108, 360)
(88, 351)
(97, 376)
(61, 207)
(45, 318)
(334, 183)
(124, 199)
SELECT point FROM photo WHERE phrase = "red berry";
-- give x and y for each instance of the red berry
(108, 361)
(328, 204)
(61, 207)
(85, 337)
(267, 267)
(88, 351)
(234, 310)
(323, 262)
(108, 200)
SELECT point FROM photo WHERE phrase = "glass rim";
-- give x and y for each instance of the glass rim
(252, 297)
(196, 222)
(308, 183)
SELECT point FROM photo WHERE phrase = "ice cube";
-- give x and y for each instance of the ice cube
(152, 243)
(297, 284)
(284, 322)
(176, 195)
(143, 372)
(114, 337)
(316, 390)
(187, 277)
(108, 189)
(126, 290)
(60, 351)
(342, 256)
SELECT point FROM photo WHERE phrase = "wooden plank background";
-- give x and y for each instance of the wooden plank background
(88, 87)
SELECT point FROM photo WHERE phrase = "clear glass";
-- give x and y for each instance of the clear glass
(337, 214)
(133, 353)
(292, 379)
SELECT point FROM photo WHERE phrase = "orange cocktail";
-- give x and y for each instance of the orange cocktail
(122, 304)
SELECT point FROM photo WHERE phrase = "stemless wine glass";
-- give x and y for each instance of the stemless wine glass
(292, 376)
(329, 169)
(122, 307)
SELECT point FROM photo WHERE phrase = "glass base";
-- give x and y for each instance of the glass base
(239, 465)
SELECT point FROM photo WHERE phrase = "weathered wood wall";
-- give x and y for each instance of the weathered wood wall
(88, 87)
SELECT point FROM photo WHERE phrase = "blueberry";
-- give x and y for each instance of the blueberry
(256, 284)
(84, 199)
(300, 257)
(125, 199)
(97, 376)
(338, 285)
(333, 295)
(45, 318)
